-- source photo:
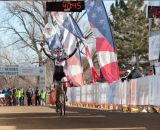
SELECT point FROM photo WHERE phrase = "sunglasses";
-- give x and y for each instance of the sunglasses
(58, 51)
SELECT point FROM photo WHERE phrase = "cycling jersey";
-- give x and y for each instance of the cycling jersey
(59, 63)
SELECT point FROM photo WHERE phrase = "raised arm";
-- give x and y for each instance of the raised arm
(70, 55)
(73, 52)
(48, 55)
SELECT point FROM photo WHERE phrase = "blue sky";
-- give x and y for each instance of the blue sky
(7, 39)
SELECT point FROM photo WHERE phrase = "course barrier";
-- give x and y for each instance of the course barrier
(142, 94)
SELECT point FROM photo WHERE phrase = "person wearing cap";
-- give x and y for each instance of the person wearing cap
(58, 56)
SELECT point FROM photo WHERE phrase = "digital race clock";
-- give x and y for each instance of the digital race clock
(66, 6)
(154, 11)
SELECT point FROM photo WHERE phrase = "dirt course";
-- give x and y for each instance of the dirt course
(44, 118)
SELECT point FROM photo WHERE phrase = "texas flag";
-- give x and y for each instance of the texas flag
(105, 46)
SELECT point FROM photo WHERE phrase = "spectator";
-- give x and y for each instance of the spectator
(29, 94)
(4, 91)
(52, 97)
(150, 71)
(43, 97)
(22, 97)
(2, 98)
(14, 96)
(37, 94)
(18, 96)
(135, 73)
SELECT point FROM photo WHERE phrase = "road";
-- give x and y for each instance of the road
(76, 119)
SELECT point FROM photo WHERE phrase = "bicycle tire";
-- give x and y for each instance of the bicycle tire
(64, 104)
(60, 105)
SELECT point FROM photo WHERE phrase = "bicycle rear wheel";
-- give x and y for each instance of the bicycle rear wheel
(62, 107)
(64, 104)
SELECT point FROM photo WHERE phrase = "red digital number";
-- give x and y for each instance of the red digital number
(157, 12)
(79, 5)
(67, 6)
(73, 5)
(64, 5)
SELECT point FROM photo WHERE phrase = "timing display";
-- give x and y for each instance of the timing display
(154, 11)
(65, 6)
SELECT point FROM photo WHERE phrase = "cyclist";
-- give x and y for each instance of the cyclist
(58, 56)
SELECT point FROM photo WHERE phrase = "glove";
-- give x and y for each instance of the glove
(77, 45)
(41, 44)
(41, 49)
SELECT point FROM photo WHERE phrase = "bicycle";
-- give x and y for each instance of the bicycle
(61, 98)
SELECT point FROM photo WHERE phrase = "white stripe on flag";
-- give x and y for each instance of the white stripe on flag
(97, 33)
(75, 69)
(90, 62)
(59, 16)
(69, 41)
(88, 55)
(106, 57)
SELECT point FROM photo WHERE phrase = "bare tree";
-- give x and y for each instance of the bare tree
(31, 18)
(10, 81)
(27, 32)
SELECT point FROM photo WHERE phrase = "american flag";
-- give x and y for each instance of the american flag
(105, 46)
(74, 69)
(71, 25)
(74, 29)
(52, 36)
(54, 42)
(49, 30)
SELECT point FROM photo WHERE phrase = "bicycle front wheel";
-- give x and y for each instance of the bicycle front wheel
(62, 104)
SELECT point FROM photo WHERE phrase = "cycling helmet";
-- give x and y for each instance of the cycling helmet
(64, 79)
(58, 49)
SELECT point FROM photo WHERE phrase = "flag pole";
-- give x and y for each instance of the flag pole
(80, 55)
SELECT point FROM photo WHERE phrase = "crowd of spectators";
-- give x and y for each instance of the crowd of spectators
(19, 97)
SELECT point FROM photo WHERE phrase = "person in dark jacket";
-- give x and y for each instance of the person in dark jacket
(29, 94)
(37, 96)
(135, 73)
(59, 57)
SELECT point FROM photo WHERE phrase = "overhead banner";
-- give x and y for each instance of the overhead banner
(15, 70)
(9, 70)
(31, 71)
